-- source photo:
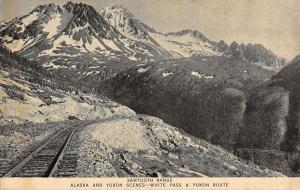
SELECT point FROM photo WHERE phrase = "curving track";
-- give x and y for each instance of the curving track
(53, 158)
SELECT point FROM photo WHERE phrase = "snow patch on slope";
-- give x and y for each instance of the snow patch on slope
(28, 20)
(94, 45)
(51, 27)
(199, 75)
(111, 44)
(54, 66)
(167, 74)
(143, 70)
(184, 46)
(15, 45)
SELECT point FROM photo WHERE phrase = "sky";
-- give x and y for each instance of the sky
(274, 23)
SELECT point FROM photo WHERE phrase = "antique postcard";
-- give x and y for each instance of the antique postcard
(149, 94)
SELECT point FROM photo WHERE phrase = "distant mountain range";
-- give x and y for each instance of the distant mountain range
(59, 36)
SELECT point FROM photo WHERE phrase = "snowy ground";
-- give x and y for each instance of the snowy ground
(25, 102)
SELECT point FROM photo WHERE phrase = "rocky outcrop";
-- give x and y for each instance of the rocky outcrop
(255, 53)
(146, 146)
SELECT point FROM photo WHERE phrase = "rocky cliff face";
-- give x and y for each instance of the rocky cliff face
(255, 53)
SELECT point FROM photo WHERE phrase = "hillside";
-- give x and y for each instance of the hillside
(226, 101)
(215, 98)
(289, 78)
(27, 98)
(146, 146)
(117, 143)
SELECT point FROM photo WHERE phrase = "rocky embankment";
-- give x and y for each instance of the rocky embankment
(24, 102)
(146, 146)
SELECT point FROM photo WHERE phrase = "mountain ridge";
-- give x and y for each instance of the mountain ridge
(115, 33)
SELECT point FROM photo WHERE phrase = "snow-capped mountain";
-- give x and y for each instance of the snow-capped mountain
(74, 27)
(49, 25)
(184, 43)
(124, 21)
(75, 33)
(187, 43)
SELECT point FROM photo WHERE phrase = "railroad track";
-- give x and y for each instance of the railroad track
(53, 158)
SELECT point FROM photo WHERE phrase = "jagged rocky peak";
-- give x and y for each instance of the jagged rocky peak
(236, 50)
(48, 8)
(71, 7)
(83, 13)
(256, 53)
(124, 21)
(259, 53)
(82, 10)
(32, 24)
(52, 20)
(222, 46)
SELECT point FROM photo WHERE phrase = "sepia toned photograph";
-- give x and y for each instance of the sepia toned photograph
(149, 88)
